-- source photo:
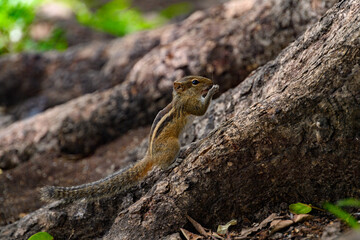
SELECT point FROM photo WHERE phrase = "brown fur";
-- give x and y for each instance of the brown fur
(163, 147)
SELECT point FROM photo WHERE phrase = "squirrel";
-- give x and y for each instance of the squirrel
(191, 96)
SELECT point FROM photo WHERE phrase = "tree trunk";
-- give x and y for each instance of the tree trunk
(75, 129)
(250, 35)
(33, 82)
(224, 43)
(292, 134)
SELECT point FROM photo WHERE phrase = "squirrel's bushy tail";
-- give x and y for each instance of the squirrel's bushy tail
(115, 183)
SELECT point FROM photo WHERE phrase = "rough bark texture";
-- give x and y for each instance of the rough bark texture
(33, 82)
(291, 134)
(294, 136)
(250, 35)
(145, 64)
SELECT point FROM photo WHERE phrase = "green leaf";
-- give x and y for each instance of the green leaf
(300, 208)
(350, 202)
(341, 214)
(41, 236)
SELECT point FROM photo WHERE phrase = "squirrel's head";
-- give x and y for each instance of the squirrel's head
(192, 86)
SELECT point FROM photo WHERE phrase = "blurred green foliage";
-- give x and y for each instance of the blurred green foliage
(16, 16)
(116, 17)
(335, 209)
(342, 214)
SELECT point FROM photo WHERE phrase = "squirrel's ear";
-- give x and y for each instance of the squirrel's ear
(178, 87)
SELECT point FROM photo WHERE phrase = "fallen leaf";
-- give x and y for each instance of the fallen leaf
(198, 227)
(189, 235)
(245, 232)
(277, 225)
(222, 229)
(302, 217)
(216, 235)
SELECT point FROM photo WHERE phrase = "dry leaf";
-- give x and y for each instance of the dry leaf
(189, 235)
(277, 225)
(216, 235)
(302, 217)
(222, 229)
(198, 227)
(245, 232)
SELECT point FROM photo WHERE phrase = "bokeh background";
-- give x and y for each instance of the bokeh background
(41, 25)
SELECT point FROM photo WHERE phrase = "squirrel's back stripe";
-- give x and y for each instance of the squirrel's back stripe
(169, 117)
(158, 118)
(163, 117)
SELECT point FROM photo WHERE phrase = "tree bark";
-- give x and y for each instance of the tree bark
(291, 134)
(250, 36)
(33, 82)
(224, 43)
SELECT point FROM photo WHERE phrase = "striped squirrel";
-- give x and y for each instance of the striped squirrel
(191, 96)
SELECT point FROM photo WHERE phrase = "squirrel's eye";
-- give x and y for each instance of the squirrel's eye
(195, 82)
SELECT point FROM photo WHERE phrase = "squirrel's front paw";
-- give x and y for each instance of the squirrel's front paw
(214, 89)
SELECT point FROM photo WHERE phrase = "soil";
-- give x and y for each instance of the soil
(20, 182)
